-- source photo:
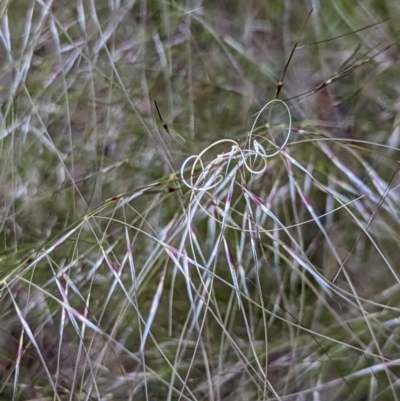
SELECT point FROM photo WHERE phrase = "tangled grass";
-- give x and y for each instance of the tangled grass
(237, 255)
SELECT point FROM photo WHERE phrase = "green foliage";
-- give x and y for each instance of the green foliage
(265, 267)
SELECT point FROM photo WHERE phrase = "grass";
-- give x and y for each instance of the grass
(199, 201)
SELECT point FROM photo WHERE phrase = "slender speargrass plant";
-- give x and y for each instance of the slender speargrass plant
(262, 267)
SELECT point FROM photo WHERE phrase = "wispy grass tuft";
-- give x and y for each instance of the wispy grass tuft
(199, 201)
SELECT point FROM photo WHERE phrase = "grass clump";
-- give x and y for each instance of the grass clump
(199, 201)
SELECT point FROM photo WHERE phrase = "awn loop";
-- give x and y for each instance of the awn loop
(205, 176)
